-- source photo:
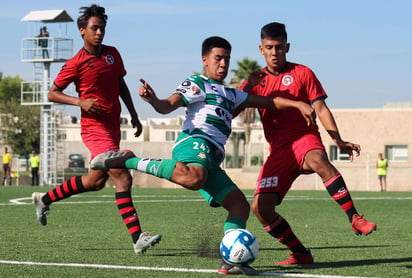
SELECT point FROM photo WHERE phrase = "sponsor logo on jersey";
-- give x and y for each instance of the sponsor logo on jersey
(195, 90)
(287, 80)
(180, 90)
(214, 89)
(89, 64)
(186, 83)
(109, 59)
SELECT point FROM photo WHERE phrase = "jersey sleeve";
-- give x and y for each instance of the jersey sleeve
(191, 90)
(66, 75)
(241, 98)
(119, 58)
(313, 86)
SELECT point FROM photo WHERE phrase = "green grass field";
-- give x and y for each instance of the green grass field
(86, 237)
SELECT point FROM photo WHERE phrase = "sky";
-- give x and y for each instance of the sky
(361, 51)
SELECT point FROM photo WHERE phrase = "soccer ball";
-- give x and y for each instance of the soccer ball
(239, 247)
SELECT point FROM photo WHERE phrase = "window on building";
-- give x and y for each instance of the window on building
(336, 155)
(170, 136)
(123, 135)
(397, 153)
(61, 135)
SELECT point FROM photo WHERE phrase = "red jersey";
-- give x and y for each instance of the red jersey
(96, 77)
(295, 82)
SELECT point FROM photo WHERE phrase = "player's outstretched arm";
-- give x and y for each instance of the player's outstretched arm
(305, 109)
(281, 103)
(163, 106)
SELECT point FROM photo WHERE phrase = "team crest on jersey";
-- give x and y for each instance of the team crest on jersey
(202, 155)
(287, 80)
(109, 59)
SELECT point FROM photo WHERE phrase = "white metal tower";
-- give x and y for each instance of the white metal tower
(42, 52)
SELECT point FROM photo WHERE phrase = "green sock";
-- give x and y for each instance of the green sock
(234, 223)
(162, 168)
(131, 163)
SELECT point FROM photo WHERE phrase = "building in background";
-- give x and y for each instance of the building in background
(385, 130)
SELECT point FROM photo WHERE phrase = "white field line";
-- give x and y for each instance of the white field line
(169, 269)
(27, 200)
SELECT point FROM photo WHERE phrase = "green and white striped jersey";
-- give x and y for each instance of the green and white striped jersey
(209, 108)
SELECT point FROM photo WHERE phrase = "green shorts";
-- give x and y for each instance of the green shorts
(199, 151)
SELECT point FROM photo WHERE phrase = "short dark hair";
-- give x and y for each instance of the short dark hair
(273, 30)
(87, 12)
(213, 42)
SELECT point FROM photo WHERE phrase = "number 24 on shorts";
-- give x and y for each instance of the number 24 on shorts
(200, 146)
(269, 182)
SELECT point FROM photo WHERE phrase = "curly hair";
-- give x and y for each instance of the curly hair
(87, 12)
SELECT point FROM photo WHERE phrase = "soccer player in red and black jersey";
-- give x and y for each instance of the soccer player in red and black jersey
(97, 70)
(295, 147)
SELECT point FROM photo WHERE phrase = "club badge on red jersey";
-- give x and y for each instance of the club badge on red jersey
(287, 80)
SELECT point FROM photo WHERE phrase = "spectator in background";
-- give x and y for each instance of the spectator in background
(34, 165)
(7, 159)
(43, 43)
(382, 170)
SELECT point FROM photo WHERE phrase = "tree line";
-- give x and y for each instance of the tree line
(19, 124)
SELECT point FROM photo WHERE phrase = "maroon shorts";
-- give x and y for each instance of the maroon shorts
(101, 140)
(284, 165)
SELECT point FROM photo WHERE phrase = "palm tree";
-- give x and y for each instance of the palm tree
(245, 67)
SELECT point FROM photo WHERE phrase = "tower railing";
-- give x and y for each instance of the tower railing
(33, 93)
(57, 49)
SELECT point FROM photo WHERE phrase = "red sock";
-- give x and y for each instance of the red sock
(337, 189)
(128, 212)
(281, 230)
(68, 188)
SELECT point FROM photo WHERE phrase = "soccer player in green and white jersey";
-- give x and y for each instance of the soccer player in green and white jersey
(199, 149)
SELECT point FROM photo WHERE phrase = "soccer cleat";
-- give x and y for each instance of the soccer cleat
(296, 258)
(145, 241)
(41, 209)
(111, 159)
(362, 226)
(226, 268)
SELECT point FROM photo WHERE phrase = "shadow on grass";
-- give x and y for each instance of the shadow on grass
(329, 247)
(338, 264)
(269, 270)
(205, 253)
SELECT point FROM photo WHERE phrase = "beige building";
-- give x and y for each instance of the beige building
(386, 130)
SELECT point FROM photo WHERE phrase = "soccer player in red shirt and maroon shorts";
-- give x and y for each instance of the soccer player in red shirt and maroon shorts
(97, 70)
(295, 147)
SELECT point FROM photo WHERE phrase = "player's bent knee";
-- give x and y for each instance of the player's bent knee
(194, 185)
(258, 208)
(255, 208)
(99, 187)
(192, 177)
